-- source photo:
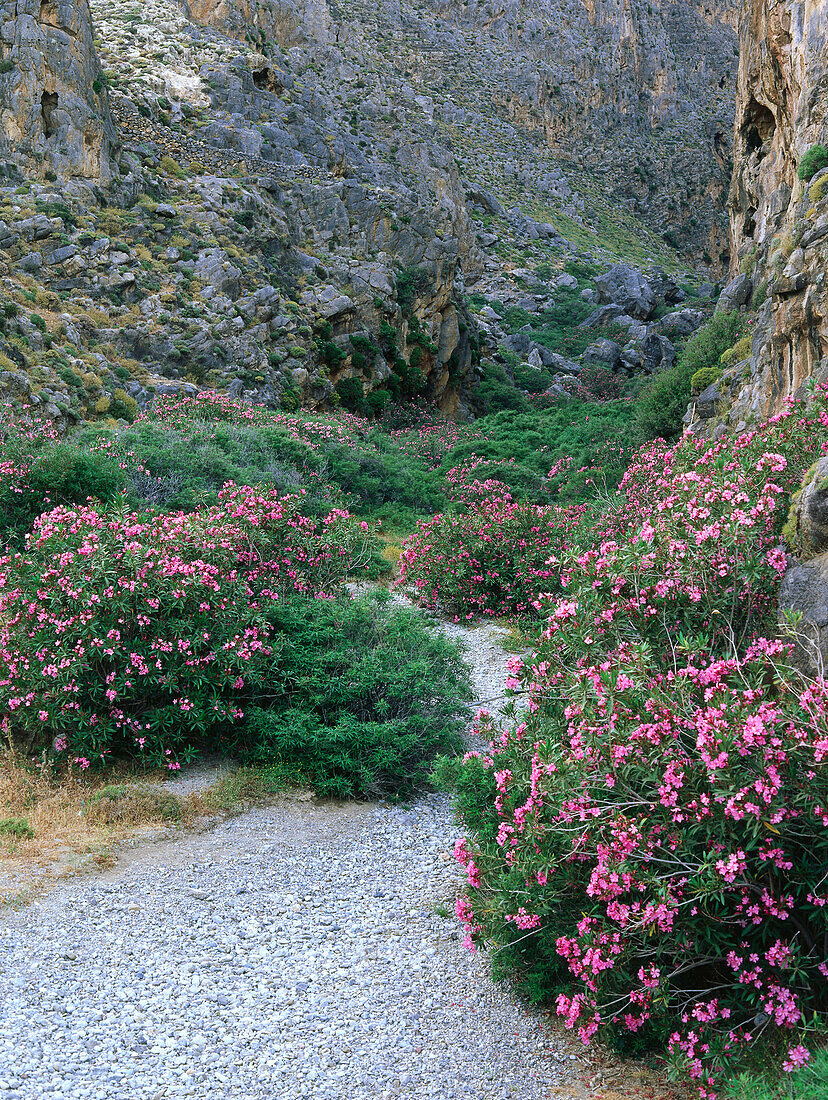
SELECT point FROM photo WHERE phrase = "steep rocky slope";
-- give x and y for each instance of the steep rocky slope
(271, 198)
(640, 93)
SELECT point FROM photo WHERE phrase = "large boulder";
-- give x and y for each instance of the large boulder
(803, 598)
(665, 286)
(737, 293)
(709, 401)
(623, 285)
(657, 353)
(602, 315)
(485, 200)
(808, 522)
(682, 322)
(603, 353)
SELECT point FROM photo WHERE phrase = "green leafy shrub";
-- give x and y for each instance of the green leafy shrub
(375, 402)
(62, 474)
(411, 282)
(818, 190)
(171, 167)
(739, 351)
(813, 161)
(565, 451)
(187, 466)
(122, 406)
(374, 477)
(704, 378)
(368, 694)
(663, 401)
(495, 392)
(17, 827)
(808, 1083)
(331, 354)
(351, 394)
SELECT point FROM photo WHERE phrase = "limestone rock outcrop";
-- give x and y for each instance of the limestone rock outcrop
(305, 197)
(641, 91)
(261, 21)
(779, 222)
(54, 112)
(803, 597)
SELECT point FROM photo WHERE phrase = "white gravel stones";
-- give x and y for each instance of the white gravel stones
(293, 951)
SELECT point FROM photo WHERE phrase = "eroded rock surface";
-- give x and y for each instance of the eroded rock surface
(54, 111)
(779, 221)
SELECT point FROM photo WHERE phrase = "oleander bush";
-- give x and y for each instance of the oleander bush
(39, 471)
(61, 474)
(495, 557)
(128, 635)
(646, 841)
(366, 694)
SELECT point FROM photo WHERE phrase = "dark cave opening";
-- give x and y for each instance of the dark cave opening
(48, 105)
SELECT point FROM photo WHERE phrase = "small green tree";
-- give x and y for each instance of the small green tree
(813, 161)
(351, 394)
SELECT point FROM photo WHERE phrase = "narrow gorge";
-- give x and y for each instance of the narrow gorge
(413, 549)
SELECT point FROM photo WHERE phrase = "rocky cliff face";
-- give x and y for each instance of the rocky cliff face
(779, 221)
(641, 92)
(54, 112)
(308, 198)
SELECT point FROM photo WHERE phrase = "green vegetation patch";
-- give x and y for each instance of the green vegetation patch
(364, 697)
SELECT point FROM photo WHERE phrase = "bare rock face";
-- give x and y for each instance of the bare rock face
(807, 528)
(640, 91)
(804, 596)
(54, 112)
(263, 21)
(779, 223)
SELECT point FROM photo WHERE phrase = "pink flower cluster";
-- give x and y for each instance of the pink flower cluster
(134, 634)
(495, 558)
(654, 841)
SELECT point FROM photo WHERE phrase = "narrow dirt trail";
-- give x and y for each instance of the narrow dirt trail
(297, 950)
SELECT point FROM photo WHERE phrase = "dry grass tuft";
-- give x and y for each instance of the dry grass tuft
(391, 551)
(243, 786)
(135, 804)
(516, 639)
(54, 825)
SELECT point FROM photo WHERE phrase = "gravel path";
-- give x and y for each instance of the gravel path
(297, 950)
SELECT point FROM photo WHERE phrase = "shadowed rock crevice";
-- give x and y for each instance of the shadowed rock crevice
(758, 128)
(48, 105)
